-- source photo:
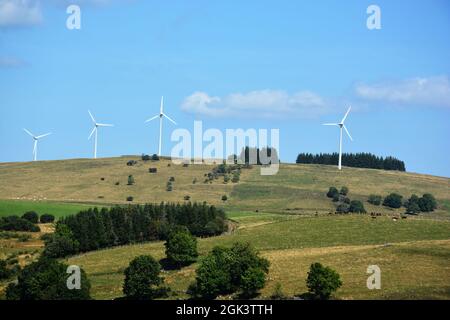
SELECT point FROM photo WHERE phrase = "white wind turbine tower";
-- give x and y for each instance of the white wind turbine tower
(341, 126)
(95, 130)
(161, 115)
(36, 139)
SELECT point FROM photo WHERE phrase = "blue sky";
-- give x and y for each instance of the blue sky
(290, 65)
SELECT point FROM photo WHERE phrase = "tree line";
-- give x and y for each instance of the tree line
(94, 229)
(358, 160)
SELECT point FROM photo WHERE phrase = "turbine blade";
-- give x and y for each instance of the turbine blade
(346, 114)
(162, 105)
(43, 135)
(165, 115)
(330, 124)
(28, 132)
(104, 125)
(92, 117)
(152, 118)
(92, 132)
(345, 128)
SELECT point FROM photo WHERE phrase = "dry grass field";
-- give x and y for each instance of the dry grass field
(285, 216)
(297, 189)
(414, 256)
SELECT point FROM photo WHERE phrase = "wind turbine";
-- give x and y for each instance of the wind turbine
(341, 126)
(161, 115)
(95, 130)
(36, 139)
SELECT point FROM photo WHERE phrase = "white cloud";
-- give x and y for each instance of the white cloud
(17, 13)
(431, 91)
(257, 104)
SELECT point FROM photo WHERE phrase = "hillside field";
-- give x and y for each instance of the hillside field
(285, 216)
(296, 189)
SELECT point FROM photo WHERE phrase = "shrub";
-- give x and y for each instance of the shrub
(130, 180)
(5, 273)
(236, 177)
(278, 293)
(130, 198)
(169, 186)
(322, 281)
(336, 197)
(226, 178)
(62, 243)
(24, 238)
(346, 200)
(172, 179)
(357, 206)
(31, 216)
(181, 248)
(46, 279)
(332, 192)
(117, 183)
(14, 223)
(342, 208)
(142, 278)
(374, 199)
(393, 200)
(412, 205)
(194, 181)
(252, 281)
(187, 197)
(427, 203)
(224, 198)
(153, 170)
(344, 191)
(145, 157)
(228, 270)
(155, 157)
(47, 218)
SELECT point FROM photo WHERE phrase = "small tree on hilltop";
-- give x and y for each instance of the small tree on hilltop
(393, 200)
(142, 278)
(344, 191)
(181, 248)
(332, 192)
(427, 203)
(131, 180)
(224, 198)
(322, 281)
(412, 205)
(374, 199)
(356, 206)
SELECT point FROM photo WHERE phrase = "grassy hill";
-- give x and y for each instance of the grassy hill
(297, 189)
(277, 214)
